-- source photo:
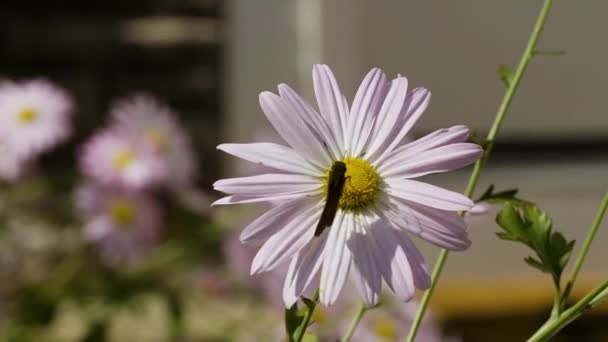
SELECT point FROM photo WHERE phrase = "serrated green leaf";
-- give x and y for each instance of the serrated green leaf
(501, 197)
(536, 264)
(508, 219)
(505, 73)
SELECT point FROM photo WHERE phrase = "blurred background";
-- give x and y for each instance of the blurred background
(208, 60)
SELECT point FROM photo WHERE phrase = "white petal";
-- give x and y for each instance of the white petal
(292, 128)
(336, 259)
(268, 184)
(440, 159)
(392, 260)
(365, 108)
(287, 242)
(332, 103)
(388, 117)
(272, 155)
(428, 194)
(366, 274)
(273, 220)
(303, 268)
(314, 119)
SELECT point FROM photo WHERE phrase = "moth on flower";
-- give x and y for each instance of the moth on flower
(361, 152)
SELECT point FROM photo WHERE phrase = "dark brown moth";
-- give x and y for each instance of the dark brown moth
(335, 185)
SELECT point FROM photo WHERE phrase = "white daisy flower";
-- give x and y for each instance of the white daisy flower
(379, 203)
(34, 116)
(158, 127)
(116, 158)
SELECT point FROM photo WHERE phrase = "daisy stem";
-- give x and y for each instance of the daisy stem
(307, 317)
(513, 85)
(585, 249)
(355, 323)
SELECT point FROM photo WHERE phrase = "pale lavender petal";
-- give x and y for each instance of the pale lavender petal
(388, 116)
(442, 228)
(293, 129)
(303, 268)
(440, 159)
(422, 277)
(239, 199)
(392, 260)
(332, 104)
(427, 194)
(438, 138)
(337, 259)
(268, 184)
(288, 241)
(272, 155)
(366, 274)
(314, 119)
(365, 108)
(273, 220)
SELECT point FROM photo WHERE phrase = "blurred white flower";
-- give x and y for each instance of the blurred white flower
(34, 116)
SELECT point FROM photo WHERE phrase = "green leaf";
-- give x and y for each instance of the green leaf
(506, 74)
(536, 264)
(308, 337)
(501, 196)
(509, 220)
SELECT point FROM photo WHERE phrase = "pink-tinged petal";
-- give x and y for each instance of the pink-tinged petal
(292, 128)
(314, 119)
(438, 138)
(445, 229)
(388, 117)
(337, 259)
(366, 274)
(332, 104)
(427, 194)
(440, 159)
(273, 220)
(283, 245)
(303, 268)
(392, 260)
(365, 108)
(422, 277)
(273, 156)
(239, 199)
(267, 185)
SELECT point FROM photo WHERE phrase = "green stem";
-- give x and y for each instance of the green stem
(500, 115)
(585, 249)
(555, 325)
(307, 318)
(354, 323)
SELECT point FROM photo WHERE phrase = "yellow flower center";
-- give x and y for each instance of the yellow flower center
(122, 159)
(122, 212)
(360, 186)
(27, 115)
(157, 138)
(386, 329)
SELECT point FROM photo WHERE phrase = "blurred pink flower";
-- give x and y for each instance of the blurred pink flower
(156, 125)
(34, 116)
(123, 224)
(116, 158)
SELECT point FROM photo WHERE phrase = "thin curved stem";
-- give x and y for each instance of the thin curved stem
(585, 249)
(355, 323)
(500, 115)
(307, 317)
(555, 325)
